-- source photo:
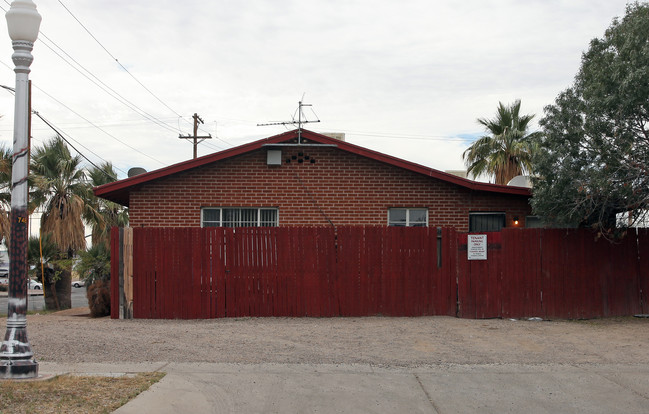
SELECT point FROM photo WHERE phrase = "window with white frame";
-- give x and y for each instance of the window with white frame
(239, 217)
(408, 217)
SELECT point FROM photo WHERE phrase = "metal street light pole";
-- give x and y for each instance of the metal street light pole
(16, 356)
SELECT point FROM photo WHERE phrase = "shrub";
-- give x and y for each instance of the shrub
(98, 295)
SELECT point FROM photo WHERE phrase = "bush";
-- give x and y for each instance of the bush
(98, 295)
(94, 264)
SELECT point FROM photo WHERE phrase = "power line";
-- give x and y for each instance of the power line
(118, 62)
(78, 152)
(129, 73)
(98, 127)
(98, 82)
(106, 88)
(88, 121)
(407, 136)
(61, 134)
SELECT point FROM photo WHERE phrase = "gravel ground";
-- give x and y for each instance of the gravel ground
(401, 342)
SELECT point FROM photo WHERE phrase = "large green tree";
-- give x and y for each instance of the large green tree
(594, 159)
(507, 150)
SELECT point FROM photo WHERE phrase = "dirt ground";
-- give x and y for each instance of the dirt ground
(381, 341)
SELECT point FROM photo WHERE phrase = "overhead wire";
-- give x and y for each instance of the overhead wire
(91, 123)
(129, 72)
(59, 133)
(63, 136)
(407, 136)
(103, 86)
(98, 127)
(106, 88)
(115, 59)
(99, 83)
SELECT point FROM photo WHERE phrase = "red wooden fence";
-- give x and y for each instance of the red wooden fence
(554, 273)
(189, 273)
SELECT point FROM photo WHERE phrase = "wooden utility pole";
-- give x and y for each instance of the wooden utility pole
(195, 137)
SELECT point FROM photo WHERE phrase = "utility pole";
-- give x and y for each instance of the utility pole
(195, 137)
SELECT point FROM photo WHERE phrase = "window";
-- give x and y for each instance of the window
(239, 217)
(408, 217)
(486, 221)
(533, 222)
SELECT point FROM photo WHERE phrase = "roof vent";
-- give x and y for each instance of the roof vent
(335, 135)
(458, 173)
(135, 171)
(521, 181)
(274, 157)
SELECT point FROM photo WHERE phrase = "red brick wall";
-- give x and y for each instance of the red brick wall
(347, 188)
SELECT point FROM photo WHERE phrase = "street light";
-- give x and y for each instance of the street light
(16, 356)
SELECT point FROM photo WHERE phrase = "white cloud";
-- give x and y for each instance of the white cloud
(370, 68)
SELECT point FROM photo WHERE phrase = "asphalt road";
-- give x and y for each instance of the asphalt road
(35, 303)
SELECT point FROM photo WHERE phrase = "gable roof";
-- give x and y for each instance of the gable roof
(119, 191)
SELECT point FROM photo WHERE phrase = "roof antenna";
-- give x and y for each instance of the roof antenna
(301, 119)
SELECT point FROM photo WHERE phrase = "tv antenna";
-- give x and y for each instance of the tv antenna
(301, 119)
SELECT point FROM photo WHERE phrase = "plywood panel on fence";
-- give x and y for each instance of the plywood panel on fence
(114, 272)
(643, 270)
(445, 293)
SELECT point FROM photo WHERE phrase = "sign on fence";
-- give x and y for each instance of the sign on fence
(477, 247)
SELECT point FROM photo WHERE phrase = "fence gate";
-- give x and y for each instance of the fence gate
(189, 273)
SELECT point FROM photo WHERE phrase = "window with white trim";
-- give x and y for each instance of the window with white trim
(239, 217)
(408, 217)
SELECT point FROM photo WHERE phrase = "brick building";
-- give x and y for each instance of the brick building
(296, 179)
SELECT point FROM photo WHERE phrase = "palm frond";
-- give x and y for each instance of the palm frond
(507, 151)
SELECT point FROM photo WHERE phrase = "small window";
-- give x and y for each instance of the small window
(238, 217)
(408, 217)
(482, 222)
(533, 222)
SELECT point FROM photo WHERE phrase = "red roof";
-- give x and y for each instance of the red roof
(119, 191)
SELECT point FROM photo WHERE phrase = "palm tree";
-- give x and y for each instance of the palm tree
(507, 151)
(6, 162)
(103, 214)
(43, 249)
(5, 192)
(63, 189)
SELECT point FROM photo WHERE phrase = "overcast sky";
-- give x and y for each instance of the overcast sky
(407, 78)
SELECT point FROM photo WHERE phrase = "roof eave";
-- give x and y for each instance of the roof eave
(118, 191)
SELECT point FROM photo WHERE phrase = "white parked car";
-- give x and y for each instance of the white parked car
(78, 283)
(34, 285)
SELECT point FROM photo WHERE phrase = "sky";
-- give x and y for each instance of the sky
(121, 79)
